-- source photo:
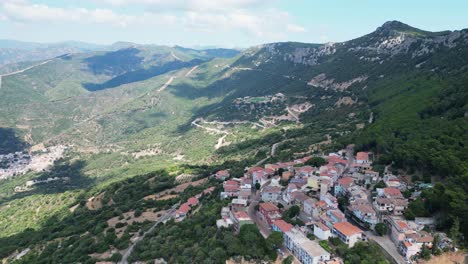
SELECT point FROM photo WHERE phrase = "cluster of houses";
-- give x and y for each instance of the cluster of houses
(13, 164)
(191, 203)
(316, 191)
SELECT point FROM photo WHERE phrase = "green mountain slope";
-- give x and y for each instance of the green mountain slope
(398, 91)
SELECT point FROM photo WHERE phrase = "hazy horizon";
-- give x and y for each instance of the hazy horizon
(225, 23)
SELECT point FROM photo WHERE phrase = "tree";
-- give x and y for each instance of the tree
(454, 232)
(257, 186)
(138, 212)
(288, 260)
(293, 211)
(381, 229)
(380, 184)
(435, 245)
(275, 239)
(316, 162)
(425, 252)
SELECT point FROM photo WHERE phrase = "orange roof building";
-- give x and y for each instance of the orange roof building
(347, 232)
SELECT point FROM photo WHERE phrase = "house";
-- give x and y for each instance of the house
(239, 219)
(305, 171)
(298, 198)
(336, 216)
(413, 243)
(330, 200)
(342, 185)
(392, 181)
(182, 212)
(362, 158)
(399, 229)
(239, 204)
(302, 160)
(274, 167)
(271, 193)
(313, 182)
(321, 231)
(364, 212)
(224, 222)
(287, 194)
(390, 201)
(390, 192)
(231, 189)
(308, 206)
(209, 190)
(371, 176)
(193, 201)
(222, 175)
(281, 226)
(299, 182)
(245, 183)
(347, 232)
(225, 211)
(408, 249)
(286, 175)
(245, 194)
(304, 249)
(269, 212)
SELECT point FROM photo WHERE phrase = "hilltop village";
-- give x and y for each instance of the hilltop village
(314, 200)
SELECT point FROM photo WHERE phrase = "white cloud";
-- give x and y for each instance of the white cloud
(293, 28)
(267, 24)
(190, 5)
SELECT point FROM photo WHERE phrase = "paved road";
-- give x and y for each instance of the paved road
(262, 226)
(163, 218)
(387, 244)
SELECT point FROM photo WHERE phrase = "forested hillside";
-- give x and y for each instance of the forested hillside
(135, 118)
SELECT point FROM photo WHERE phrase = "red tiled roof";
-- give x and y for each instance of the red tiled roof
(271, 189)
(392, 191)
(224, 173)
(283, 225)
(184, 208)
(362, 156)
(407, 244)
(346, 181)
(269, 171)
(322, 226)
(269, 207)
(192, 201)
(241, 215)
(231, 182)
(321, 204)
(335, 159)
(253, 169)
(231, 188)
(347, 228)
(209, 190)
(272, 166)
(402, 224)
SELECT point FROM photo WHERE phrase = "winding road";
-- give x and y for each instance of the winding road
(20, 71)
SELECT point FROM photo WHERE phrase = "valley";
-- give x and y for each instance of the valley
(145, 128)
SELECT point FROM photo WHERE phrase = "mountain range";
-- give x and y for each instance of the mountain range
(127, 110)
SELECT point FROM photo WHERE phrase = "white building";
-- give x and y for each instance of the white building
(305, 250)
(321, 231)
(348, 233)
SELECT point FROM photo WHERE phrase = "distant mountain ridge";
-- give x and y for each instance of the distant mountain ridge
(399, 92)
(13, 51)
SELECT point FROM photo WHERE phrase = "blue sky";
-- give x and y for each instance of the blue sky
(228, 23)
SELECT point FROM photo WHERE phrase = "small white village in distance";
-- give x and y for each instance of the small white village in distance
(343, 199)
